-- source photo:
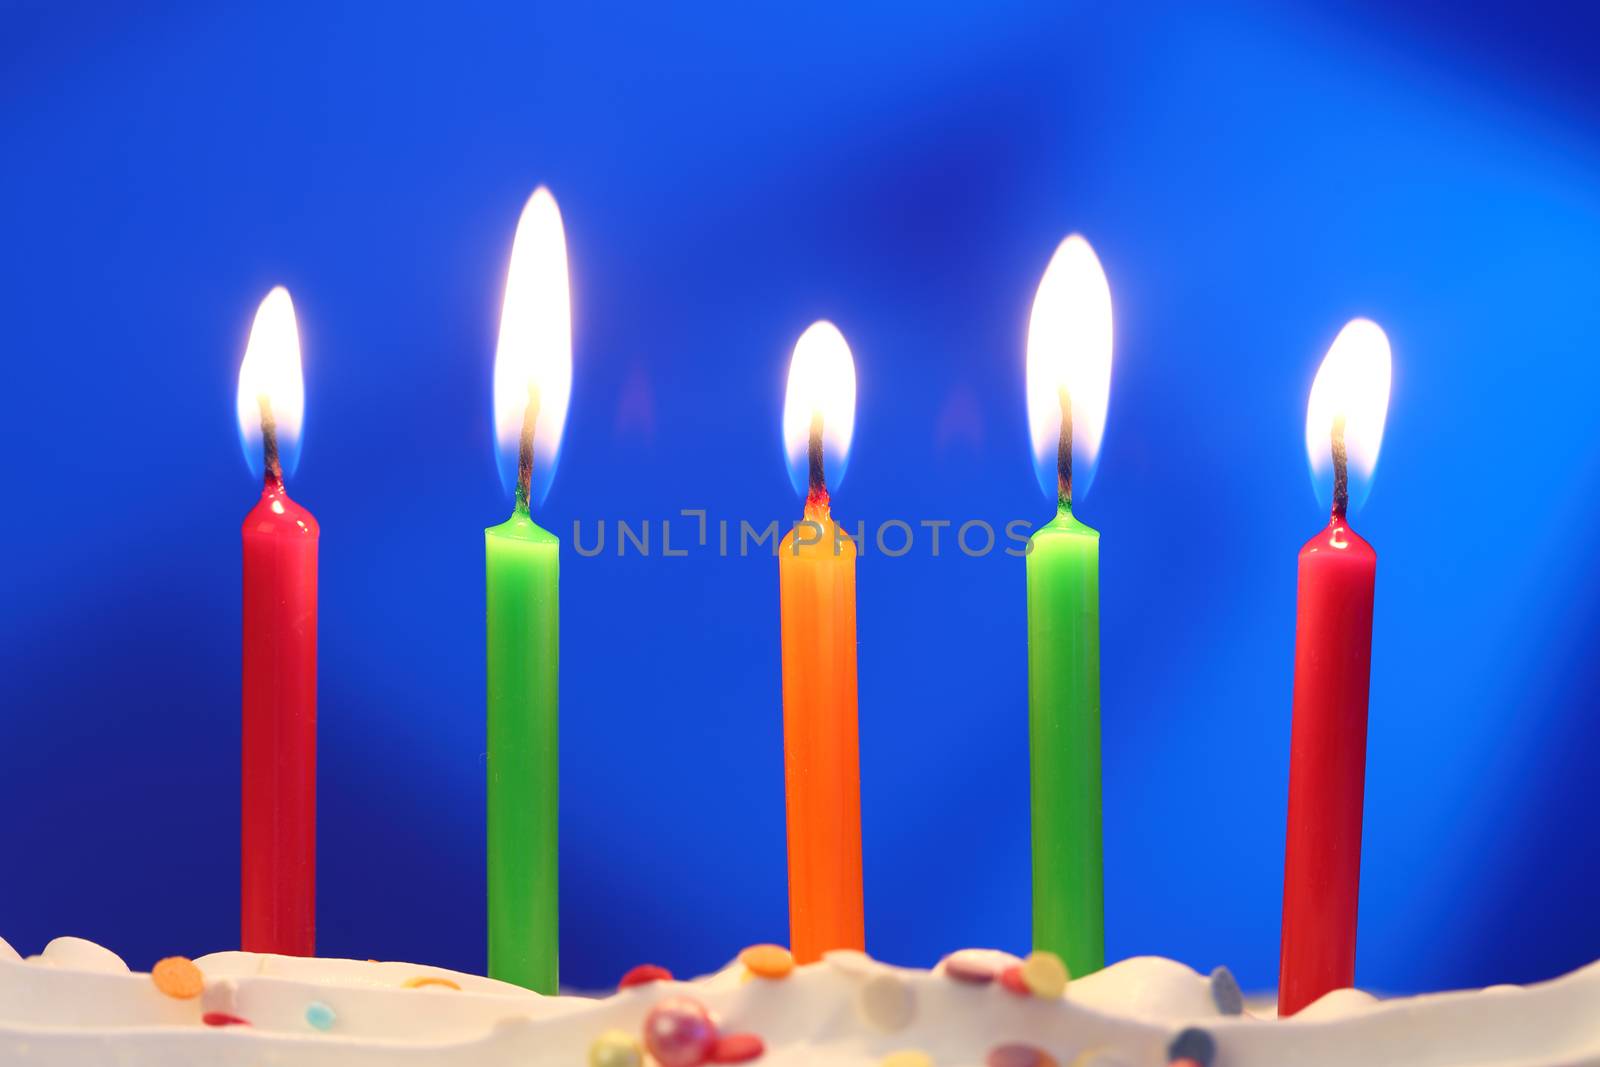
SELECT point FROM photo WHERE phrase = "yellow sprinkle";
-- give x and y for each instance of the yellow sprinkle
(426, 980)
(1044, 974)
(178, 977)
(906, 1057)
(615, 1048)
(768, 961)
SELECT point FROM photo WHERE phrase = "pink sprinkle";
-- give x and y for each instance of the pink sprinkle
(737, 1048)
(1011, 979)
(679, 1032)
(974, 970)
(644, 974)
(1016, 1056)
(222, 1018)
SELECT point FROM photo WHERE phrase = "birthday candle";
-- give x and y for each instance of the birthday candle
(532, 382)
(1068, 381)
(278, 834)
(817, 597)
(1332, 668)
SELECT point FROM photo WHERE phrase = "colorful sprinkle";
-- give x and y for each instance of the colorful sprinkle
(1044, 974)
(1011, 981)
(679, 1032)
(644, 974)
(1225, 992)
(737, 1048)
(422, 981)
(1018, 1056)
(909, 1057)
(222, 1018)
(768, 961)
(320, 1016)
(886, 1003)
(1193, 1044)
(178, 977)
(615, 1048)
(974, 968)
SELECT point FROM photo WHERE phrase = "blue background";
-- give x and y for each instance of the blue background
(1252, 176)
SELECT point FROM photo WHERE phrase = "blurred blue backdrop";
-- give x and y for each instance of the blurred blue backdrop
(1252, 176)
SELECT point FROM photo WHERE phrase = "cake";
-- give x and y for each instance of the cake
(77, 1004)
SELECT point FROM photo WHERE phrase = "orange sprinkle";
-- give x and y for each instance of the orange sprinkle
(768, 961)
(178, 977)
(427, 979)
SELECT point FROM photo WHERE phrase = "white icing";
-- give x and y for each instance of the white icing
(53, 1014)
(76, 954)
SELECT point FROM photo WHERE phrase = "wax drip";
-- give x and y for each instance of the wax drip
(817, 496)
(272, 465)
(530, 419)
(1341, 471)
(1064, 454)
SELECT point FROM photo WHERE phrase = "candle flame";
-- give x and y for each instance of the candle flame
(1351, 391)
(1069, 364)
(533, 361)
(271, 384)
(822, 385)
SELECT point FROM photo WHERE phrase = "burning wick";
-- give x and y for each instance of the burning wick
(817, 497)
(1341, 470)
(1064, 454)
(271, 467)
(530, 419)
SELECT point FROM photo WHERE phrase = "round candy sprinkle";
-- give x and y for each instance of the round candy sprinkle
(886, 1003)
(320, 1016)
(1193, 1044)
(1011, 981)
(222, 1018)
(644, 974)
(1226, 993)
(1044, 974)
(768, 961)
(679, 1032)
(424, 980)
(909, 1057)
(737, 1048)
(970, 967)
(1018, 1056)
(178, 977)
(614, 1048)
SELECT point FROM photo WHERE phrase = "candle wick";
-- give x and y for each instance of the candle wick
(1064, 454)
(272, 466)
(817, 497)
(1341, 470)
(530, 419)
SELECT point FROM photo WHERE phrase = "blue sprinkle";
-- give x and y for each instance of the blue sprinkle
(1193, 1044)
(320, 1016)
(1225, 992)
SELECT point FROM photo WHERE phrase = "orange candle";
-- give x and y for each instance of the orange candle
(817, 595)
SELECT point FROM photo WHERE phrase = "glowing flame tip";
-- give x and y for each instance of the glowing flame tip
(271, 381)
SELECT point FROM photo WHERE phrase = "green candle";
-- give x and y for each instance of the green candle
(522, 563)
(1064, 740)
(532, 383)
(1069, 381)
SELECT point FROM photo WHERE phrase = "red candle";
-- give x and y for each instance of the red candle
(1332, 669)
(278, 833)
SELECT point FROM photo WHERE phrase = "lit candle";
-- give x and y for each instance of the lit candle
(1069, 383)
(278, 832)
(532, 381)
(817, 597)
(1332, 667)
